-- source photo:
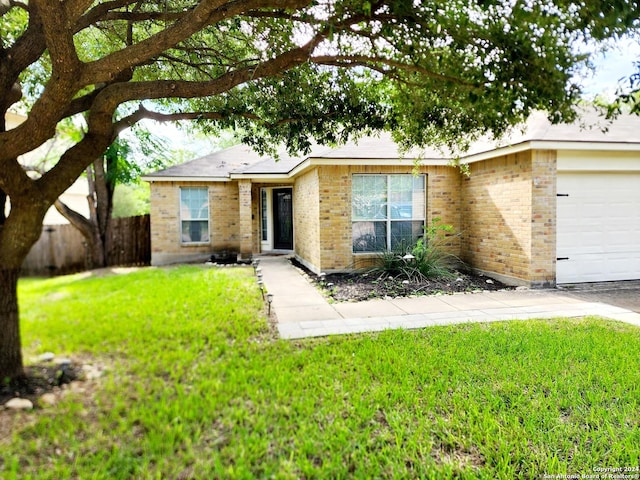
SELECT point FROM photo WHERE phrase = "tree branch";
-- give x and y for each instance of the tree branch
(59, 38)
(114, 95)
(77, 220)
(99, 12)
(24, 52)
(143, 113)
(351, 61)
(207, 12)
(133, 17)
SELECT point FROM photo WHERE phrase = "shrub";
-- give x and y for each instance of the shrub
(424, 259)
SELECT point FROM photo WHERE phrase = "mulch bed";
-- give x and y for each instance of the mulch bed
(39, 379)
(356, 287)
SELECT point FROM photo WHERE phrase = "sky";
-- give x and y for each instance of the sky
(611, 66)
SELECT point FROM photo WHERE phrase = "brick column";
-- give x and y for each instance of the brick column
(246, 234)
(543, 221)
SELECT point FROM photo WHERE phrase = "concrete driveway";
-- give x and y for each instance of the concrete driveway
(620, 294)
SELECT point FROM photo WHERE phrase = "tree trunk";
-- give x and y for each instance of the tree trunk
(96, 228)
(96, 257)
(10, 345)
(20, 231)
(98, 254)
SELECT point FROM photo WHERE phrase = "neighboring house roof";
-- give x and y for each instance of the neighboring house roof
(75, 197)
(592, 131)
(12, 120)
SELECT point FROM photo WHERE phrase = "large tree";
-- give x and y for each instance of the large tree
(284, 70)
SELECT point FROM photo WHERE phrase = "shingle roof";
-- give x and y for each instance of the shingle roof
(217, 164)
(590, 128)
(242, 160)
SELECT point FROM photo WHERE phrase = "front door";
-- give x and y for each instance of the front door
(283, 219)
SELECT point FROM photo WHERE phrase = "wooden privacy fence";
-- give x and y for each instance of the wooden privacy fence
(130, 242)
(62, 249)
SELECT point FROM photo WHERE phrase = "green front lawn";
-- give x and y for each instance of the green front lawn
(199, 387)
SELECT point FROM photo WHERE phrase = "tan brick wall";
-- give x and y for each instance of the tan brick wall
(497, 218)
(335, 218)
(543, 221)
(500, 233)
(492, 209)
(444, 201)
(166, 245)
(334, 212)
(225, 219)
(306, 227)
(246, 218)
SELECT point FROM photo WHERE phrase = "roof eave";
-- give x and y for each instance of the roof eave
(317, 161)
(264, 177)
(551, 145)
(178, 178)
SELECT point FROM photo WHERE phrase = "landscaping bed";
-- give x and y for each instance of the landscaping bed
(40, 378)
(359, 286)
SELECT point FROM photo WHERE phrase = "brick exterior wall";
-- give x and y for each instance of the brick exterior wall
(224, 228)
(492, 210)
(333, 250)
(444, 201)
(501, 235)
(543, 220)
(245, 212)
(306, 226)
(225, 216)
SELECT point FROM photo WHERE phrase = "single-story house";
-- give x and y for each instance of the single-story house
(549, 204)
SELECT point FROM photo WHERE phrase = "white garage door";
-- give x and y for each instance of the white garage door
(598, 227)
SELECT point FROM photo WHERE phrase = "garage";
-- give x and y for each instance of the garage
(598, 224)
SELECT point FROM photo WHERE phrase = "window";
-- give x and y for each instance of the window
(194, 214)
(388, 211)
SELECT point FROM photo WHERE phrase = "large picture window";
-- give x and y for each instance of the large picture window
(194, 214)
(388, 211)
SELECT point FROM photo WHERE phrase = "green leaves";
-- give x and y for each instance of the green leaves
(13, 23)
(430, 71)
(129, 158)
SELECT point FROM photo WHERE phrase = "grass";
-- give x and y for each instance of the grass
(198, 387)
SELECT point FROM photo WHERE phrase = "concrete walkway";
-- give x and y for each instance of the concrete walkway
(302, 311)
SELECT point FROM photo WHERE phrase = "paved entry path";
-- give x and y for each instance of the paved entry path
(302, 311)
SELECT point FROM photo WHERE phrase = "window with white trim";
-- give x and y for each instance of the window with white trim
(388, 211)
(194, 214)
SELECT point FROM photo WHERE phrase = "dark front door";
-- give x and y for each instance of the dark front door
(282, 219)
